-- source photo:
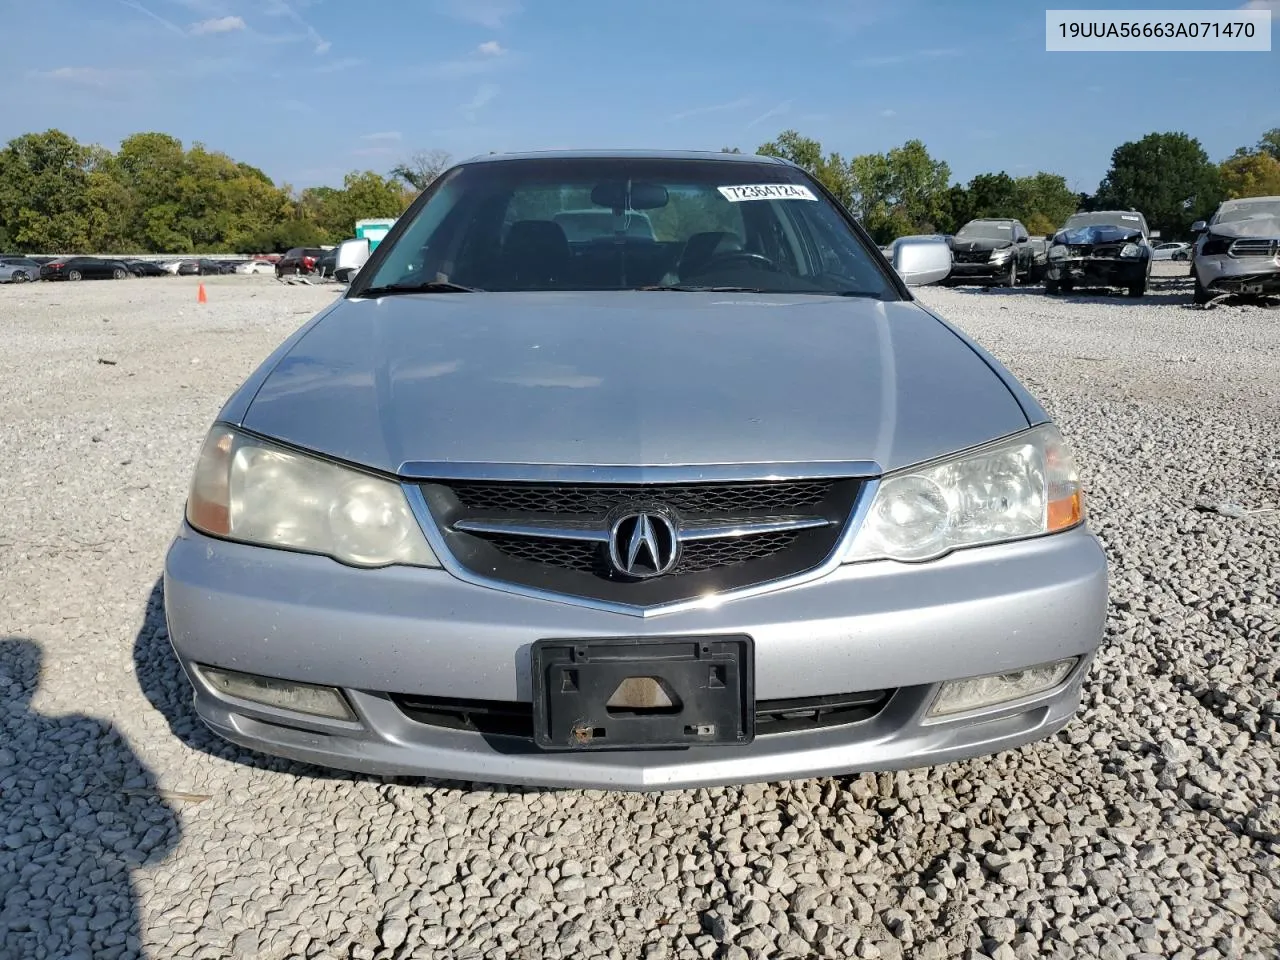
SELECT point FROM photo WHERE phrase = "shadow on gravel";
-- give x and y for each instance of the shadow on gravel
(78, 811)
(166, 687)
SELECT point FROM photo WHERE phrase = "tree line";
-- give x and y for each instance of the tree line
(1168, 176)
(154, 194)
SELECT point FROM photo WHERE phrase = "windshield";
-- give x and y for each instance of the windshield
(1109, 218)
(1243, 210)
(986, 230)
(619, 223)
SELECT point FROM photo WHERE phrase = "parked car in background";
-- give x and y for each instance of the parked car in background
(992, 251)
(18, 269)
(146, 268)
(1104, 248)
(255, 266)
(299, 260)
(198, 267)
(522, 509)
(326, 263)
(228, 266)
(85, 268)
(1238, 250)
(1171, 251)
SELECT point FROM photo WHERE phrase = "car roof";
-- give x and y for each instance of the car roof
(1245, 201)
(627, 155)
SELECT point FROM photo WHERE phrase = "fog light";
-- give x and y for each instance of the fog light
(956, 696)
(285, 694)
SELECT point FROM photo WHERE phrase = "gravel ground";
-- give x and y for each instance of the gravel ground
(1150, 827)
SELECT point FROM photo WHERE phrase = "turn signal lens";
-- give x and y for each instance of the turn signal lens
(208, 506)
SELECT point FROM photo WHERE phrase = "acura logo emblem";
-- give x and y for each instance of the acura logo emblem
(643, 545)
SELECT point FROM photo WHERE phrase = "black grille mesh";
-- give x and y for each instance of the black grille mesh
(565, 554)
(695, 499)
(701, 555)
(696, 556)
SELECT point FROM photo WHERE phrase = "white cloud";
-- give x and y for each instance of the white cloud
(87, 76)
(775, 111)
(491, 48)
(738, 104)
(336, 66)
(1262, 5)
(218, 25)
(484, 96)
(888, 112)
(390, 135)
(486, 13)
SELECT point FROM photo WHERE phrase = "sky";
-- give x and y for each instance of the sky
(310, 89)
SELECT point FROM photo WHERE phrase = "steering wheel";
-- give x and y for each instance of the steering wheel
(745, 257)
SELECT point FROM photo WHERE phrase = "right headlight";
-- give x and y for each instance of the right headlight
(1019, 487)
(256, 492)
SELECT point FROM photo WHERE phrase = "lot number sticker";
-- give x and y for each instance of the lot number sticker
(766, 191)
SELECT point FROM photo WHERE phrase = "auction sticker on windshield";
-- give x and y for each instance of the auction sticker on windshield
(766, 191)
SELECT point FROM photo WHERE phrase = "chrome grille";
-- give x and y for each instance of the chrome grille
(564, 537)
(1255, 248)
(598, 499)
(971, 256)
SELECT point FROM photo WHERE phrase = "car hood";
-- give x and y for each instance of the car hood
(1261, 225)
(979, 243)
(630, 378)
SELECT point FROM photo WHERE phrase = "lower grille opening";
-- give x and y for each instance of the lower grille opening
(510, 718)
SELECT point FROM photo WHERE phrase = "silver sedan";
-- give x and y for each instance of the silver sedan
(18, 270)
(721, 504)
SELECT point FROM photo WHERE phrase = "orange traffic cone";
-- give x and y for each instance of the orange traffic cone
(201, 296)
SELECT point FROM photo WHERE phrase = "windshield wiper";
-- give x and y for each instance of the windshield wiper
(426, 286)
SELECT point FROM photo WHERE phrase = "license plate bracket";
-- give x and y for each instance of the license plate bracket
(708, 683)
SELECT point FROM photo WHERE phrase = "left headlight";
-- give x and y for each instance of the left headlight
(1131, 250)
(1019, 487)
(253, 491)
(1004, 253)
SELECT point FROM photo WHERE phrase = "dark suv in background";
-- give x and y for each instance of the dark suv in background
(298, 260)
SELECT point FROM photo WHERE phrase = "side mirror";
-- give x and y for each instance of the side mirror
(1022, 238)
(1199, 226)
(352, 255)
(921, 260)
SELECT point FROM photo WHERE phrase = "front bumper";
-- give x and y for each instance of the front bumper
(968, 272)
(885, 625)
(1226, 274)
(1096, 271)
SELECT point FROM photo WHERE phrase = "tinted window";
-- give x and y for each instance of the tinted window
(622, 223)
(1109, 218)
(1244, 209)
(986, 230)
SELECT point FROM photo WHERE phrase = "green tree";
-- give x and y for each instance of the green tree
(422, 169)
(900, 192)
(1045, 201)
(832, 170)
(1167, 177)
(1251, 175)
(1269, 143)
(994, 195)
(44, 193)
